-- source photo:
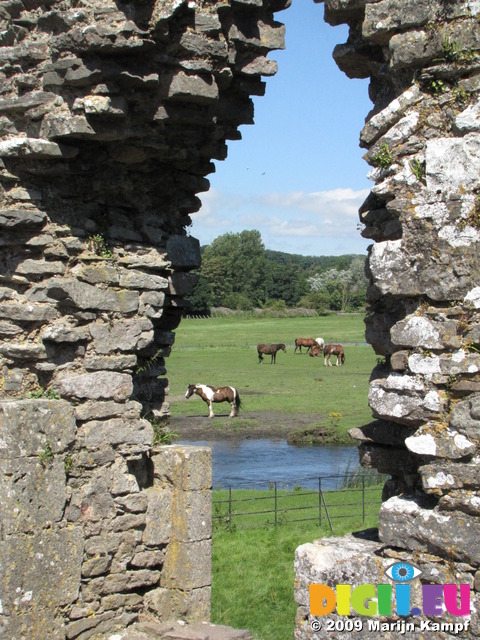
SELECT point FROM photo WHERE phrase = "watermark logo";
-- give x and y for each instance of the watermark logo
(372, 600)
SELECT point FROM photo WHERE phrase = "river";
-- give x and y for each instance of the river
(243, 463)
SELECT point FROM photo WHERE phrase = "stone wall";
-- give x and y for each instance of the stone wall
(423, 141)
(110, 115)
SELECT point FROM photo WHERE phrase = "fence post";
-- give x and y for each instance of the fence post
(229, 508)
(363, 498)
(275, 503)
(319, 502)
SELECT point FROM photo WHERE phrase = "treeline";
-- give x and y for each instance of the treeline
(237, 272)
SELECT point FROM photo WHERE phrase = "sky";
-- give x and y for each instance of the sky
(297, 175)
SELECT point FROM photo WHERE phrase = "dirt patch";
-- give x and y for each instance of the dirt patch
(247, 425)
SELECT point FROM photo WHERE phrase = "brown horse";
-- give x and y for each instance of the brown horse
(216, 394)
(333, 350)
(316, 351)
(269, 350)
(304, 342)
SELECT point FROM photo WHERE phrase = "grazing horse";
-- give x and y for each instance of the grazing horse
(269, 350)
(216, 394)
(320, 342)
(333, 350)
(304, 342)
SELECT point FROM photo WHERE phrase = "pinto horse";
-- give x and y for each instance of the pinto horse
(333, 350)
(269, 350)
(304, 342)
(216, 394)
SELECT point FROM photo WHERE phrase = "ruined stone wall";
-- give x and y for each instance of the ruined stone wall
(423, 214)
(110, 115)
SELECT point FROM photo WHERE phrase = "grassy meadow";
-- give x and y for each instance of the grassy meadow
(252, 567)
(253, 574)
(222, 351)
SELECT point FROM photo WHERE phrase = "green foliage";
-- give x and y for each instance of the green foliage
(99, 246)
(68, 463)
(383, 159)
(237, 272)
(452, 51)
(46, 457)
(418, 169)
(48, 394)
(437, 86)
(340, 289)
(161, 433)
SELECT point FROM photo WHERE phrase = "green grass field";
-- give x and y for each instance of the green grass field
(253, 574)
(222, 351)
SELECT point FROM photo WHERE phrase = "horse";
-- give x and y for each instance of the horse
(333, 350)
(216, 394)
(304, 342)
(320, 342)
(269, 350)
(316, 351)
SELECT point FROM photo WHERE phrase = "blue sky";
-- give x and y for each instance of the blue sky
(297, 175)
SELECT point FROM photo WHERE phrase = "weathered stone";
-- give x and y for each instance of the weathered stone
(438, 440)
(46, 580)
(85, 296)
(118, 433)
(404, 399)
(104, 385)
(183, 467)
(404, 523)
(191, 605)
(34, 495)
(187, 565)
(23, 351)
(159, 525)
(63, 332)
(126, 335)
(27, 426)
(13, 218)
(108, 409)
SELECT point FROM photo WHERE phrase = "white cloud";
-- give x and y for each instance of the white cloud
(284, 219)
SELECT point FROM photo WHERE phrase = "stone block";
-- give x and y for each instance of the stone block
(27, 425)
(17, 218)
(158, 526)
(187, 565)
(192, 515)
(105, 385)
(183, 252)
(405, 523)
(46, 579)
(85, 296)
(33, 495)
(193, 88)
(137, 434)
(124, 335)
(174, 604)
(184, 467)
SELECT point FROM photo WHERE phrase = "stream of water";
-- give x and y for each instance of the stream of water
(240, 463)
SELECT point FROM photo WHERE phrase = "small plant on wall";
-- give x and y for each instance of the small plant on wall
(383, 159)
(418, 169)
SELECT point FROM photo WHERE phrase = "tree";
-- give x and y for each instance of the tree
(235, 263)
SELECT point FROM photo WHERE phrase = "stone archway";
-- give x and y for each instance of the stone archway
(110, 116)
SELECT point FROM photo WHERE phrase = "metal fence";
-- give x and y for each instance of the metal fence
(332, 497)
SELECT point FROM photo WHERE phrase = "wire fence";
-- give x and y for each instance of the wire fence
(333, 497)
